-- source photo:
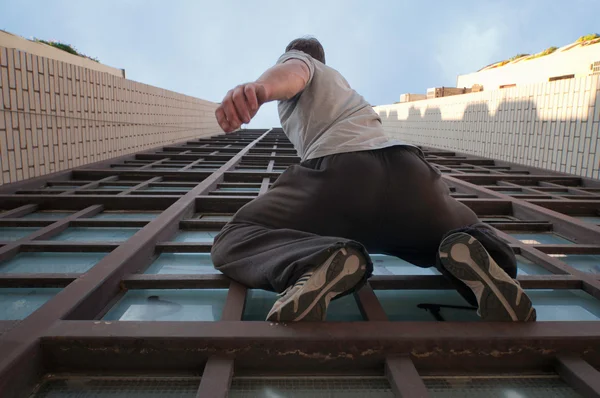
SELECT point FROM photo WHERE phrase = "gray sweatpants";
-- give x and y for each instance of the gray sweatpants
(387, 201)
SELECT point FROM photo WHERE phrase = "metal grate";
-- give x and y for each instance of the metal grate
(311, 387)
(595, 68)
(499, 387)
(130, 387)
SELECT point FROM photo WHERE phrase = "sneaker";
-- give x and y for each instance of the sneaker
(308, 298)
(500, 298)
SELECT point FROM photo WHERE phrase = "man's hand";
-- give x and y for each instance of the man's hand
(240, 105)
(281, 82)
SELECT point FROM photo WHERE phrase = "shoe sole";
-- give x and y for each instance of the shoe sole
(500, 297)
(334, 278)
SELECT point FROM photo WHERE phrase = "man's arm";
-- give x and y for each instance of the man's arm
(281, 82)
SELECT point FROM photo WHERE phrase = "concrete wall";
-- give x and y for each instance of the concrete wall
(9, 40)
(550, 125)
(574, 61)
(55, 116)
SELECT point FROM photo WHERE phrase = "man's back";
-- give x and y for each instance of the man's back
(328, 116)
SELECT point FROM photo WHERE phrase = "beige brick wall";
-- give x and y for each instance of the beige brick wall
(553, 125)
(55, 116)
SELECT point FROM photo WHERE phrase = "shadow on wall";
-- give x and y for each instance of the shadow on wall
(560, 136)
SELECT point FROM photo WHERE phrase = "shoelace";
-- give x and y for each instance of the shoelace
(300, 282)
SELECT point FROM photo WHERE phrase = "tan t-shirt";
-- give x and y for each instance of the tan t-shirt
(328, 116)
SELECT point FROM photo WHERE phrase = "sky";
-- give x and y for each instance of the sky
(383, 48)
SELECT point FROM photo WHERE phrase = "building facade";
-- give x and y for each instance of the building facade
(113, 192)
(56, 115)
(550, 125)
(107, 285)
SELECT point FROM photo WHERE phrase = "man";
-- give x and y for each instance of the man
(356, 191)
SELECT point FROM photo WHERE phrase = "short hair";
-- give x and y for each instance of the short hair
(308, 45)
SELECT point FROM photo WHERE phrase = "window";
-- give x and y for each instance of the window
(18, 303)
(489, 386)
(89, 234)
(169, 305)
(48, 262)
(182, 263)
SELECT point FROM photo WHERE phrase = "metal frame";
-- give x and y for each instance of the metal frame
(67, 334)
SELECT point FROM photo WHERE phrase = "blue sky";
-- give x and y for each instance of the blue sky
(383, 48)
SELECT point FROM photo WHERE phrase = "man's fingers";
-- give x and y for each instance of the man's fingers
(222, 119)
(230, 111)
(250, 93)
(241, 106)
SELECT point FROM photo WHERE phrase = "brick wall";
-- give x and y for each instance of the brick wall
(552, 125)
(55, 116)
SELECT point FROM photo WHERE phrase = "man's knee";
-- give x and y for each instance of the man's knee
(223, 248)
(218, 252)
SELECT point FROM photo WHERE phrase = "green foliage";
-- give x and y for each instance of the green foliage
(65, 47)
(547, 51)
(517, 57)
(588, 37)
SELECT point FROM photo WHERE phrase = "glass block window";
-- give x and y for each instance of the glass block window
(62, 187)
(118, 387)
(311, 387)
(127, 215)
(48, 215)
(15, 233)
(18, 303)
(209, 164)
(167, 188)
(499, 387)
(95, 234)
(496, 219)
(196, 168)
(527, 267)
(425, 305)
(182, 263)
(259, 303)
(51, 262)
(389, 265)
(216, 217)
(545, 238)
(589, 219)
(115, 187)
(169, 305)
(196, 236)
(241, 189)
(564, 305)
(583, 262)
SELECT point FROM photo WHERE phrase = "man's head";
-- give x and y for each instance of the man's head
(308, 45)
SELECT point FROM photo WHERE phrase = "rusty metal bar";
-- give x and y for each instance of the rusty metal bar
(441, 346)
(579, 374)
(85, 299)
(404, 378)
(141, 185)
(19, 211)
(369, 305)
(235, 302)
(92, 184)
(12, 248)
(216, 378)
